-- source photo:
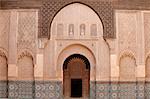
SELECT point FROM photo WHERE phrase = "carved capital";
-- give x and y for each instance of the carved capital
(42, 42)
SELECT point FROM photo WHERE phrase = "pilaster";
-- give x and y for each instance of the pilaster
(12, 59)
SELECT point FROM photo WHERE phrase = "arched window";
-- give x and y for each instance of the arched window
(71, 29)
(82, 29)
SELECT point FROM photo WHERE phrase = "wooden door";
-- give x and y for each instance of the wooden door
(76, 78)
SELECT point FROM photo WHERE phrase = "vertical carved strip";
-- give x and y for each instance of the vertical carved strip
(3, 77)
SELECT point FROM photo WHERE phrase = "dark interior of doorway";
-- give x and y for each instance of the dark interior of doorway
(76, 87)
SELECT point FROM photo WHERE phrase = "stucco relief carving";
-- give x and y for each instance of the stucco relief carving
(4, 28)
(27, 29)
(147, 68)
(147, 32)
(3, 66)
(42, 42)
(80, 23)
(127, 31)
(50, 8)
(3, 53)
(24, 53)
(127, 65)
(111, 45)
(25, 66)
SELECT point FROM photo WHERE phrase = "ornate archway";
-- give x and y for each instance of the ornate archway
(76, 72)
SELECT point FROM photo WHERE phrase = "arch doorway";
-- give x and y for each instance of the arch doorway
(76, 76)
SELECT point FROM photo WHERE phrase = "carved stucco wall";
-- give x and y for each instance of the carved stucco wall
(133, 36)
(104, 8)
(4, 32)
(3, 67)
(4, 28)
(127, 37)
(50, 8)
(127, 31)
(130, 37)
(71, 26)
(146, 16)
(27, 31)
(3, 74)
(26, 38)
(127, 67)
(66, 45)
(26, 66)
(148, 68)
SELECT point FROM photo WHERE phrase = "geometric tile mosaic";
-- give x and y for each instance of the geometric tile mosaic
(54, 90)
(35, 90)
(93, 90)
(12, 89)
(127, 90)
(102, 90)
(147, 90)
(122, 90)
(140, 87)
(3, 89)
(21, 89)
(114, 90)
(48, 90)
